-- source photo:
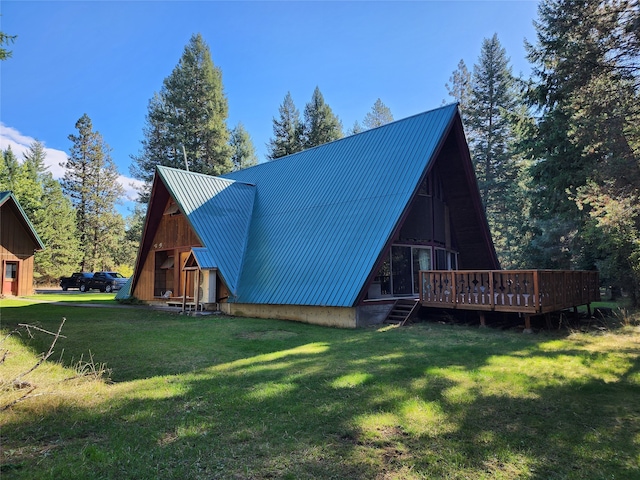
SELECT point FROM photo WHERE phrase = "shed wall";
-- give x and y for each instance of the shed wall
(16, 245)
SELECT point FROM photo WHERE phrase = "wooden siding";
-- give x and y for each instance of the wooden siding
(469, 228)
(16, 245)
(173, 235)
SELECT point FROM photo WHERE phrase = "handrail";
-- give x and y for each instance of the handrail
(525, 291)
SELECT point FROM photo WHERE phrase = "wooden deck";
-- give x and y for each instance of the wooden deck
(529, 292)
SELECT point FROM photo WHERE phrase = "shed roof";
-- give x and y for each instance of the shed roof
(8, 196)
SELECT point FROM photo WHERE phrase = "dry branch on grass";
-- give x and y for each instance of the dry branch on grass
(83, 369)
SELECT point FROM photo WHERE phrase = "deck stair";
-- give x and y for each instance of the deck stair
(402, 311)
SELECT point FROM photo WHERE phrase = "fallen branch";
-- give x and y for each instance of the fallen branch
(48, 354)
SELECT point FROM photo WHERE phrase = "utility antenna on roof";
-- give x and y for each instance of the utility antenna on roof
(184, 152)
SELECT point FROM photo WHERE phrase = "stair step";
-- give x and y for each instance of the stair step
(400, 312)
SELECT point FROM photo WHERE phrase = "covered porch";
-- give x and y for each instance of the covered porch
(527, 292)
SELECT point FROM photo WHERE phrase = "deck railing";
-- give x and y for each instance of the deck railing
(524, 291)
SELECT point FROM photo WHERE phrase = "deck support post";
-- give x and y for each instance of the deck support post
(527, 324)
(483, 322)
(184, 293)
(589, 309)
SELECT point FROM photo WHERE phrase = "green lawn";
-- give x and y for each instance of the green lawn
(235, 398)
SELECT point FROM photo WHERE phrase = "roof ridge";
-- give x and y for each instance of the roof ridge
(181, 171)
(400, 120)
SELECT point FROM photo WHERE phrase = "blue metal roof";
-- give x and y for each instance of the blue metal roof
(321, 217)
(219, 211)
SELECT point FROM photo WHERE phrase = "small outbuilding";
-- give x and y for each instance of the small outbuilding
(332, 235)
(18, 244)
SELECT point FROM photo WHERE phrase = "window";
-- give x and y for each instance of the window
(11, 271)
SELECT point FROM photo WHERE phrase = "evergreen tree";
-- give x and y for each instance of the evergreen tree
(287, 131)
(5, 40)
(492, 98)
(320, 124)
(57, 229)
(187, 117)
(23, 181)
(50, 212)
(34, 160)
(460, 89)
(495, 125)
(91, 182)
(379, 115)
(127, 250)
(357, 128)
(588, 136)
(9, 169)
(243, 153)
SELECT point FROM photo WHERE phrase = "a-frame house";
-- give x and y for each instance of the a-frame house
(331, 235)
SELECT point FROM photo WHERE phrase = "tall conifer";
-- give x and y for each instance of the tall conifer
(187, 118)
(321, 125)
(287, 131)
(91, 182)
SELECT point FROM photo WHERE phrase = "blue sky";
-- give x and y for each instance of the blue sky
(106, 59)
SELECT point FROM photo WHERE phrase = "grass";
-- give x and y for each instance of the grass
(218, 397)
(73, 297)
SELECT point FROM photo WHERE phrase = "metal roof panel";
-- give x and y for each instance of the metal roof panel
(322, 216)
(219, 211)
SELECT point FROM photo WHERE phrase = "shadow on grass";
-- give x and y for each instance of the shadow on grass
(239, 398)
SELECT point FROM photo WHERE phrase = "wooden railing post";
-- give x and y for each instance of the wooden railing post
(453, 288)
(536, 291)
(492, 299)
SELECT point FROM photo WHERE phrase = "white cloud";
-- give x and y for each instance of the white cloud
(131, 187)
(19, 143)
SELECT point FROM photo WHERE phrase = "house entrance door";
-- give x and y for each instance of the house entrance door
(10, 279)
(186, 277)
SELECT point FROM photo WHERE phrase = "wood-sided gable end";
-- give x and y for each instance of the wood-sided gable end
(452, 168)
(166, 239)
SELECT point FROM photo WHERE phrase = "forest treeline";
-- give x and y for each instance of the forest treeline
(557, 155)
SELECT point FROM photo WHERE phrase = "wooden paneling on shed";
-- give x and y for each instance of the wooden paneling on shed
(14, 238)
(16, 245)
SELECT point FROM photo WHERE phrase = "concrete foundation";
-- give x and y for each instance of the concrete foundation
(342, 317)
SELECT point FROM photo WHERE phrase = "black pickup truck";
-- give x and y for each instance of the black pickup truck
(105, 282)
(77, 280)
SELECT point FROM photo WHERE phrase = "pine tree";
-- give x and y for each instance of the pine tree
(22, 179)
(379, 115)
(5, 40)
(188, 116)
(588, 134)
(91, 182)
(243, 153)
(356, 128)
(492, 98)
(50, 212)
(9, 169)
(57, 229)
(320, 123)
(287, 131)
(460, 89)
(495, 126)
